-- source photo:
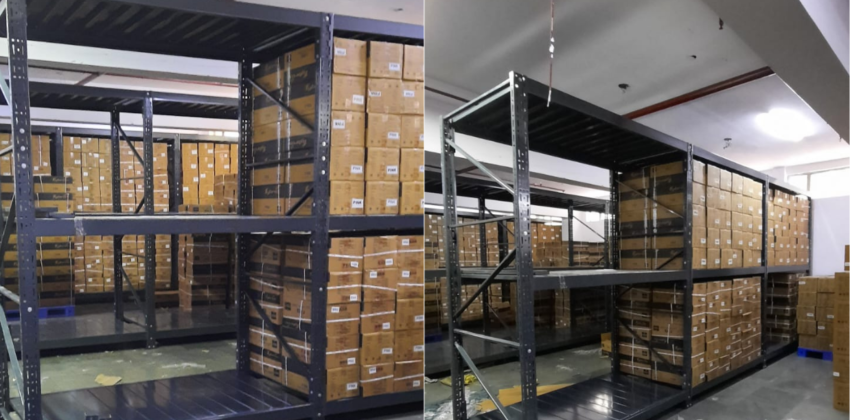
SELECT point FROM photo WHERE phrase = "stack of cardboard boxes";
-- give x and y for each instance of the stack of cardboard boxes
(205, 166)
(841, 338)
(278, 135)
(727, 211)
(203, 263)
(788, 229)
(435, 255)
(781, 311)
(375, 328)
(815, 312)
(40, 149)
(725, 329)
(54, 271)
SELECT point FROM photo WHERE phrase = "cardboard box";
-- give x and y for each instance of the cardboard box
(377, 348)
(384, 130)
(408, 375)
(410, 344)
(377, 379)
(412, 131)
(386, 60)
(414, 63)
(413, 98)
(347, 198)
(348, 93)
(412, 198)
(410, 314)
(343, 383)
(382, 197)
(348, 128)
(347, 163)
(386, 96)
(350, 57)
(412, 165)
(382, 164)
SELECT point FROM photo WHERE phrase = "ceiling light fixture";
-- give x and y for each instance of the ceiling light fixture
(785, 124)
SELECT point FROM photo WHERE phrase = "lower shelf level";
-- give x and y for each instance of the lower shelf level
(219, 395)
(438, 354)
(612, 396)
(98, 329)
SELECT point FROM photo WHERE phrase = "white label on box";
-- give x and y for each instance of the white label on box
(375, 93)
(696, 212)
(373, 370)
(340, 52)
(195, 179)
(392, 169)
(357, 203)
(85, 173)
(717, 242)
(730, 261)
(353, 297)
(702, 240)
(421, 168)
(728, 242)
(392, 202)
(821, 327)
(392, 135)
(405, 242)
(810, 315)
(408, 94)
(716, 221)
(422, 137)
(740, 241)
(395, 66)
(741, 205)
(419, 318)
(359, 99)
(405, 274)
(703, 261)
(195, 151)
(339, 124)
(417, 383)
(830, 316)
(373, 274)
(193, 166)
(836, 374)
(76, 146)
(386, 325)
(750, 243)
(388, 262)
(356, 169)
(352, 360)
(208, 193)
(185, 188)
(334, 309)
(419, 348)
(355, 264)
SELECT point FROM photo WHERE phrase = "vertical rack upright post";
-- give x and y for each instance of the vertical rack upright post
(16, 32)
(687, 265)
(243, 208)
(175, 198)
(150, 240)
(117, 244)
(452, 268)
(522, 230)
(482, 244)
(319, 239)
(570, 243)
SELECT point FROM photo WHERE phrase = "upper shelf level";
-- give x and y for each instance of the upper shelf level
(572, 129)
(213, 29)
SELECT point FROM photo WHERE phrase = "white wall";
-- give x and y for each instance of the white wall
(830, 233)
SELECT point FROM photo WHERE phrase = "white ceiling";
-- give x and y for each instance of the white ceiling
(648, 44)
(707, 121)
(410, 10)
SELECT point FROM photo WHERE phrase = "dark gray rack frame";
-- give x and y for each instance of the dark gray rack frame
(205, 29)
(517, 113)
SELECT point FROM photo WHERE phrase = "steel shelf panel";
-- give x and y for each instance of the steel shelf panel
(612, 396)
(468, 186)
(437, 354)
(171, 223)
(788, 269)
(727, 272)
(88, 98)
(573, 279)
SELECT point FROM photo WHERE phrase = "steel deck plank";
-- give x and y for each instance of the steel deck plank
(73, 406)
(269, 391)
(158, 396)
(239, 393)
(552, 404)
(200, 397)
(191, 386)
(116, 405)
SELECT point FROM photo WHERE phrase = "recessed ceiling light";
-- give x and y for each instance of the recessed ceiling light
(785, 124)
(398, 9)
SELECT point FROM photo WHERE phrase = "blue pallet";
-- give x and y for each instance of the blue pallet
(815, 354)
(47, 312)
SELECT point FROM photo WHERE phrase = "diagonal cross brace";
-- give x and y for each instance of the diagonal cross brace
(486, 283)
(283, 343)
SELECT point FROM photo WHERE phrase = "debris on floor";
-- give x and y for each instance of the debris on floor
(444, 410)
(106, 380)
(467, 379)
(513, 395)
(185, 365)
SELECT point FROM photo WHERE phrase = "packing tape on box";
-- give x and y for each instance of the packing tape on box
(383, 253)
(377, 314)
(404, 378)
(363, 381)
(369, 286)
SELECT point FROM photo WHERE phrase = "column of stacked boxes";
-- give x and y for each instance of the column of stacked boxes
(279, 136)
(788, 229)
(395, 171)
(815, 312)
(409, 350)
(841, 336)
(379, 321)
(208, 173)
(40, 149)
(782, 293)
(203, 262)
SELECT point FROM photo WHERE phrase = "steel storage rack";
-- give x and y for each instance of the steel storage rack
(213, 29)
(519, 113)
(103, 329)
(437, 354)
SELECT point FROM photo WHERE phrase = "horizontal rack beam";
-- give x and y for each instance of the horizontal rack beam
(171, 223)
(787, 268)
(573, 279)
(728, 272)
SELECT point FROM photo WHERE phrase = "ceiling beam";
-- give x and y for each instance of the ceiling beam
(702, 92)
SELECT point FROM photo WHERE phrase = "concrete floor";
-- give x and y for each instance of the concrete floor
(65, 373)
(790, 388)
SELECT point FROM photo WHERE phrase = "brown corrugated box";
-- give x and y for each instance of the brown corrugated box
(386, 60)
(350, 57)
(347, 163)
(412, 131)
(412, 165)
(382, 197)
(384, 130)
(347, 198)
(348, 93)
(412, 198)
(386, 96)
(348, 128)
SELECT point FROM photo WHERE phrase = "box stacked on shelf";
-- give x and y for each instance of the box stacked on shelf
(745, 335)
(815, 312)
(788, 229)
(409, 349)
(562, 308)
(395, 171)
(209, 173)
(841, 342)
(278, 135)
(203, 262)
(54, 271)
(782, 292)
(434, 252)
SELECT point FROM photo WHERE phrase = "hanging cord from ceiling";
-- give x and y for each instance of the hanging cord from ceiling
(551, 47)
